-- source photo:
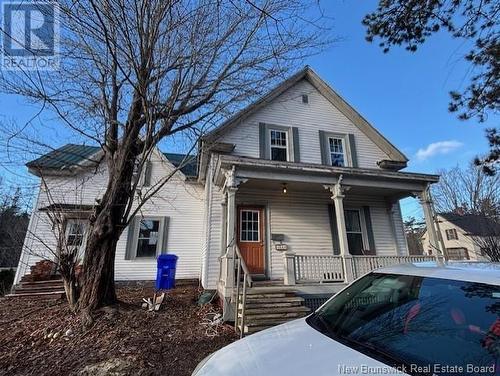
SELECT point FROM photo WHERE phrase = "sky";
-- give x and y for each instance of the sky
(404, 95)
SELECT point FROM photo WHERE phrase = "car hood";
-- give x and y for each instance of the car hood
(294, 348)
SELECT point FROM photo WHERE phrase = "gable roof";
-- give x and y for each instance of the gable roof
(331, 95)
(473, 224)
(72, 155)
(66, 156)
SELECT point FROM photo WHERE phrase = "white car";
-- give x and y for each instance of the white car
(412, 319)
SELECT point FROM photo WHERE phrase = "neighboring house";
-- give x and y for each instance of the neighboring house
(461, 233)
(298, 183)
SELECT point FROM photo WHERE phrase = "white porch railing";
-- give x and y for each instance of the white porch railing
(364, 264)
(318, 268)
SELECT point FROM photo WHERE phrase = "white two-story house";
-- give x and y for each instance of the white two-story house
(297, 189)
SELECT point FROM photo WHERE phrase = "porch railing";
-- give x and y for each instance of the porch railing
(239, 315)
(319, 268)
(364, 264)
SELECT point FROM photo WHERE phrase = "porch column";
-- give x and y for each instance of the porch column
(231, 187)
(338, 194)
(426, 202)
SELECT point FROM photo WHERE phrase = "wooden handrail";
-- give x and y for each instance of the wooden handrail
(244, 266)
(247, 280)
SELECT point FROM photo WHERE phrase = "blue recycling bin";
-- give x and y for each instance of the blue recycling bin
(165, 274)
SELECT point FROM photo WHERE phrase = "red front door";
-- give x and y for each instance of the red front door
(251, 238)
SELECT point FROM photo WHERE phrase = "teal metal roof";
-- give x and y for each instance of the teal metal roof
(66, 156)
(71, 155)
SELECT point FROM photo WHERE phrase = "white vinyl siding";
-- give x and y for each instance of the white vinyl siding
(289, 111)
(303, 219)
(179, 200)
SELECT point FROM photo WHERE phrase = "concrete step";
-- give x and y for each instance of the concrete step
(263, 311)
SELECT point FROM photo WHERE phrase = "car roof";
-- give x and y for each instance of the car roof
(481, 272)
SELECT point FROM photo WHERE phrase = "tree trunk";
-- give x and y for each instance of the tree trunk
(98, 282)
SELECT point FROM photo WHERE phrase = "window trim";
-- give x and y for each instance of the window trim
(287, 141)
(364, 231)
(159, 244)
(449, 231)
(346, 145)
(290, 156)
(259, 223)
(67, 226)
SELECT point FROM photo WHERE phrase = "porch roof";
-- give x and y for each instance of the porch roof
(254, 168)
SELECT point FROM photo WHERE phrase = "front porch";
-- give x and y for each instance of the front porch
(311, 228)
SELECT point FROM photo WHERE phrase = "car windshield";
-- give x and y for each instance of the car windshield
(426, 325)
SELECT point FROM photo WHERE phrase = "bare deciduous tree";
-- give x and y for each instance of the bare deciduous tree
(467, 191)
(136, 72)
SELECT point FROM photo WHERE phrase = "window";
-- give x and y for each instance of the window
(457, 254)
(337, 151)
(279, 145)
(147, 240)
(75, 231)
(417, 321)
(354, 232)
(249, 226)
(451, 234)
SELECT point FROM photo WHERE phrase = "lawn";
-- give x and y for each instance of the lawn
(127, 341)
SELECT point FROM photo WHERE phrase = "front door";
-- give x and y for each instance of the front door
(251, 238)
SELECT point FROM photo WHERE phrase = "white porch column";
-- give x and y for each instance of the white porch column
(426, 202)
(231, 187)
(338, 194)
(289, 268)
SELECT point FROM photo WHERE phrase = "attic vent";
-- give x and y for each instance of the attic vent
(305, 98)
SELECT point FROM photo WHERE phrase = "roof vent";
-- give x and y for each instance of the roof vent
(305, 98)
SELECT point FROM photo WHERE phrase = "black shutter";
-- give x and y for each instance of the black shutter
(164, 238)
(130, 238)
(322, 147)
(354, 154)
(262, 140)
(369, 230)
(296, 145)
(334, 229)
(147, 174)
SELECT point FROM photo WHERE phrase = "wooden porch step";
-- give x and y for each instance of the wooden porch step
(53, 294)
(33, 290)
(252, 297)
(288, 301)
(274, 316)
(38, 283)
(264, 311)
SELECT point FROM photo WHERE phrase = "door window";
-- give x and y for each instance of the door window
(249, 225)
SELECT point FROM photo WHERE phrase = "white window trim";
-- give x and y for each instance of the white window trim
(259, 227)
(290, 152)
(345, 142)
(159, 244)
(81, 247)
(364, 231)
(287, 139)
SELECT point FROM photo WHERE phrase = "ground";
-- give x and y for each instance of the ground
(127, 341)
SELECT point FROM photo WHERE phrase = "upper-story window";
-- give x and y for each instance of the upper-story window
(337, 151)
(451, 234)
(279, 145)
